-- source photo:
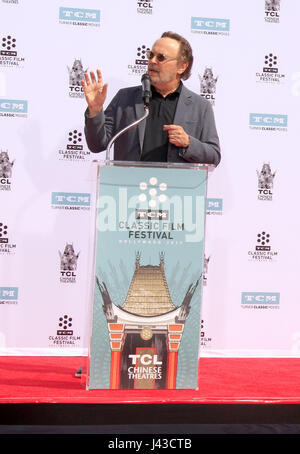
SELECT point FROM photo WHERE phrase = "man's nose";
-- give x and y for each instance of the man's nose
(153, 59)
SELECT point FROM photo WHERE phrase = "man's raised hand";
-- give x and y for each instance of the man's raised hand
(95, 92)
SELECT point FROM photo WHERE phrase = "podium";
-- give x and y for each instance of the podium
(147, 258)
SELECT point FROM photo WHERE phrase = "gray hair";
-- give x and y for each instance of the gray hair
(186, 53)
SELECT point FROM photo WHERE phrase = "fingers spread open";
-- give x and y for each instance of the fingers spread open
(93, 78)
(99, 75)
(87, 80)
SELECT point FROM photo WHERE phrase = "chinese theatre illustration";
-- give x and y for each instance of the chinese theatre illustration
(146, 330)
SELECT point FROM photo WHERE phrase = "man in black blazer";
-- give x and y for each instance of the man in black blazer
(180, 126)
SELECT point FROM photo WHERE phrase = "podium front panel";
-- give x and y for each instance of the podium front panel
(148, 260)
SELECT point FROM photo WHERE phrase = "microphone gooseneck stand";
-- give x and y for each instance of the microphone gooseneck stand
(146, 95)
(124, 130)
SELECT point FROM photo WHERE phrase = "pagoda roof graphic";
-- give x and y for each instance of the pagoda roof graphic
(148, 293)
(148, 297)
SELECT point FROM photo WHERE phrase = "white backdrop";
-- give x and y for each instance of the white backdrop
(251, 297)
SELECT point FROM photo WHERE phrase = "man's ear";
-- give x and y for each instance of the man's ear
(182, 65)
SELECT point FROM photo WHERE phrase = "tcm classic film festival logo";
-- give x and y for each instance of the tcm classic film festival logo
(263, 251)
(152, 215)
(270, 73)
(139, 66)
(7, 247)
(79, 17)
(76, 75)
(260, 300)
(6, 166)
(210, 26)
(146, 225)
(73, 150)
(272, 11)
(68, 264)
(145, 7)
(9, 295)
(64, 335)
(9, 56)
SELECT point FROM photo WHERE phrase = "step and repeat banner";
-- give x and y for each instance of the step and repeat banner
(246, 64)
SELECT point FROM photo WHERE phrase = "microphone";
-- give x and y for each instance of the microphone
(146, 86)
(147, 94)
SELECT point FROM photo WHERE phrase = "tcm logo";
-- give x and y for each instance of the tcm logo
(273, 120)
(3, 232)
(71, 198)
(214, 207)
(76, 14)
(260, 298)
(9, 293)
(210, 24)
(214, 204)
(64, 326)
(142, 55)
(13, 106)
(152, 214)
(8, 46)
(75, 138)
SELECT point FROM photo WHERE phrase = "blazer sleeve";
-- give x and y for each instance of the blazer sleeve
(100, 129)
(204, 141)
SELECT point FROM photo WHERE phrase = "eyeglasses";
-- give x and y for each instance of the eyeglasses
(160, 57)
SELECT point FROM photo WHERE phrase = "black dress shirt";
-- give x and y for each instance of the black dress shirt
(161, 112)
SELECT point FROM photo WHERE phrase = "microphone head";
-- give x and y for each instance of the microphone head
(145, 78)
(146, 84)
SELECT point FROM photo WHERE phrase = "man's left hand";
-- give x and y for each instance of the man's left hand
(177, 136)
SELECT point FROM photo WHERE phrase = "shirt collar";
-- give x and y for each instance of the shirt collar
(174, 93)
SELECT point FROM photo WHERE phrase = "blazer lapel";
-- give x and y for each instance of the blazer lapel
(182, 112)
(181, 115)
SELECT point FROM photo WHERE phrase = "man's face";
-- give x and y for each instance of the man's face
(171, 68)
